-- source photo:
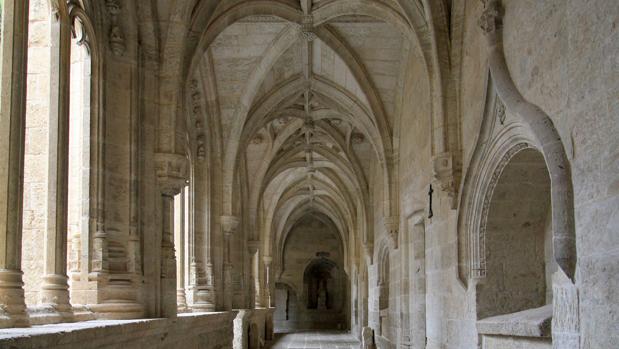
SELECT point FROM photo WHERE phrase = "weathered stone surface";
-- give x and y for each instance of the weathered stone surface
(439, 174)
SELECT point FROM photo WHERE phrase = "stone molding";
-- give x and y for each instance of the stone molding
(229, 224)
(171, 172)
(116, 35)
(545, 136)
(392, 227)
(446, 168)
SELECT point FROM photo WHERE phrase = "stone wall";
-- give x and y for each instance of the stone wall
(310, 242)
(210, 331)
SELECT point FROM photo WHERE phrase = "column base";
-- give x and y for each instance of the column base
(117, 311)
(119, 299)
(54, 303)
(13, 311)
(181, 301)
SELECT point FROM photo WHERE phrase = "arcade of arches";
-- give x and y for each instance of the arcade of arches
(439, 174)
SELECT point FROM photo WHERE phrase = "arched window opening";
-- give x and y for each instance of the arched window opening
(78, 216)
(518, 239)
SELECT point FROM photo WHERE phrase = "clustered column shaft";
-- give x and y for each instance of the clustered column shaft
(55, 287)
(12, 144)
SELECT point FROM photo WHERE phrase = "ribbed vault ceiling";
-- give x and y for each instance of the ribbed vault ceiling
(306, 110)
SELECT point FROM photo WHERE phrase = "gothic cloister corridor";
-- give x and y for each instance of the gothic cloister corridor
(246, 174)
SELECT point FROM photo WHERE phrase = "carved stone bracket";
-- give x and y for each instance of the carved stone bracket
(253, 246)
(392, 226)
(447, 173)
(117, 38)
(172, 172)
(229, 224)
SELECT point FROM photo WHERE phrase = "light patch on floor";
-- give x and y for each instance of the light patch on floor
(315, 340)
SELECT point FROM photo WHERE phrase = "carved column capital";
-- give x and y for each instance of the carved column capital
(267, 260)
(253, 246)
(229, 224)
(171, 172)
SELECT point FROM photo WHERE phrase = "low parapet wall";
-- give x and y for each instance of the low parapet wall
(187, 331)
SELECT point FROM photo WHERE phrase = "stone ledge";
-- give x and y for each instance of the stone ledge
(528, 323)
(190, 329)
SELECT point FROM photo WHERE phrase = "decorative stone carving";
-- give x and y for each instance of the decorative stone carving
(201, 148)
(117, 38)
(447, 174)
(257, 139)
(357, 138)
(490, 19)
(392, 226)
(307, 28)
(478, 260)
(500, 111)
(229, 224)
(171, 172)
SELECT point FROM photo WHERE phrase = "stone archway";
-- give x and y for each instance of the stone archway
(518, 236)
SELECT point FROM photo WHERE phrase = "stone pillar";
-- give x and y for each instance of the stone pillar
(267, 278)
(252, 247)
(172, 177)
(168, 305)
(201, 265)
(55, 287)
(12, 144)
(179, 241)
(229, 224)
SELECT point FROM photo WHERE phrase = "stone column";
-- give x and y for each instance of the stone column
(55, 287)
(12, 144)
(179, 241)
(172, 177)
(201, 264)
(267, 278)
(229, 224)
(252, 247)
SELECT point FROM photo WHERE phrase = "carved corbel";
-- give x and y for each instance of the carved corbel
(117, 38)
(171, 172)
(253, 246)
(392, 226)
(447, 173)
(229, 224)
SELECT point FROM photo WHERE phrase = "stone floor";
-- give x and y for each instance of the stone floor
(315, 340)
